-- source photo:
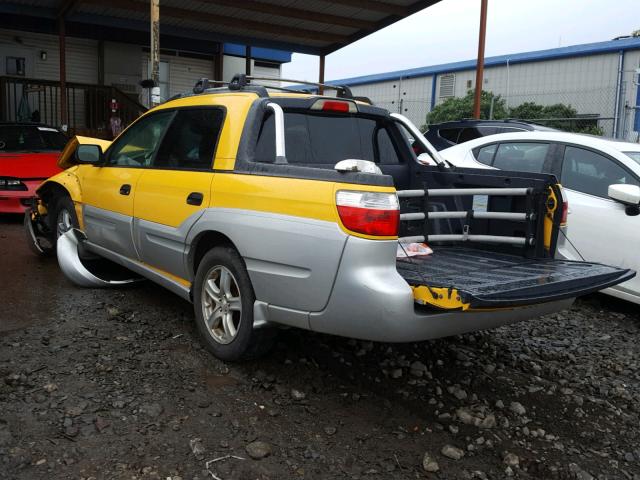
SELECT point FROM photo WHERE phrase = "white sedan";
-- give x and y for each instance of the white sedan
(601, 179)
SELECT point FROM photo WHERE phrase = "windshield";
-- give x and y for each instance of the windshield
(26, 138)
(634, 156)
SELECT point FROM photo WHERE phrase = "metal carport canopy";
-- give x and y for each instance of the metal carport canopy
(317, 27)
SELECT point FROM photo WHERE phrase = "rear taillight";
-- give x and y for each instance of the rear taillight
(565, 212)
(370, 213)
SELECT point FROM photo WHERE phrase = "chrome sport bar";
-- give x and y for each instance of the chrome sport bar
(451, 192)
(467, 238)
(517, 217)
(281, 157)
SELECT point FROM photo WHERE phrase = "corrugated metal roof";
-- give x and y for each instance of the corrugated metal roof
(538, 55)
(306, 26)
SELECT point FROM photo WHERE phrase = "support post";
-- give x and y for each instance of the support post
(480, 62)
(64, 113)
(321, 75)
(100, 62)
(247, 60)
(218, 64)
(155, 52)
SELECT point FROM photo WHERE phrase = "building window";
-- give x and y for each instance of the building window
(447, 85)
(16, 66)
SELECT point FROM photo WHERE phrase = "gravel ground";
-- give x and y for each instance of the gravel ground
(113, 384)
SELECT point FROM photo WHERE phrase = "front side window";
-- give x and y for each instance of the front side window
(521, 157)
(138, 144)
(191, 139)
(590, 172)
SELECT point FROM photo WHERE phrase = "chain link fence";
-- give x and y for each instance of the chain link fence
(606, 110)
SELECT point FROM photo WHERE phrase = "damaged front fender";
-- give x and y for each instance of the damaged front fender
(38, 233)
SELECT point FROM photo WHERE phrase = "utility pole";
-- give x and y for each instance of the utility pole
(155, 52)
(480, 63)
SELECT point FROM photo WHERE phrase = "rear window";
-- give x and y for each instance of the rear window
(17, 138)
(326, 140)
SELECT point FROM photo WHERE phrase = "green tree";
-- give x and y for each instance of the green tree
(553, 115)
(550, 115)
(458, 108)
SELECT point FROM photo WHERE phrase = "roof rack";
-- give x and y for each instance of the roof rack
(342, 90)
(242, 82)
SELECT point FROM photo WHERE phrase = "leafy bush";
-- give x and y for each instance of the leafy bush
(460, 108)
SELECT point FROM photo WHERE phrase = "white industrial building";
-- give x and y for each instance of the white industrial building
(600, 80)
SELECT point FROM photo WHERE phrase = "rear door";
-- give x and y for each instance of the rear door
(108, 191)
(172, 193)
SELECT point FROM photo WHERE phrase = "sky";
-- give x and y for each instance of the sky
(448, 32)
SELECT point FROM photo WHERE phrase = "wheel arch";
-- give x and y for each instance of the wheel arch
(202, 243)
(64, 184)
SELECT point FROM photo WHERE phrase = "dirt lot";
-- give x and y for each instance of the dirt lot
(113, 384)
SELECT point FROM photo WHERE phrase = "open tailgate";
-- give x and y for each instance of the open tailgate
(459, 277)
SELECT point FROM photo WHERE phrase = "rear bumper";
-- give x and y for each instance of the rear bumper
(371, 301)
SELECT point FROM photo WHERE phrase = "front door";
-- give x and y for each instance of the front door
(108, 191)
(598, 228)
(174, 192)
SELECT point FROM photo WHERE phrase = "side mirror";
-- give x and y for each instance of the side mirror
(353, 165)
(89, 154)
(627, 194)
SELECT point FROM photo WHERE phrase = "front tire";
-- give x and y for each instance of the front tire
(223, 299)
(65, 217)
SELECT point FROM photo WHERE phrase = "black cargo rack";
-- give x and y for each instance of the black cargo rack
(528, 218)
(242, 82)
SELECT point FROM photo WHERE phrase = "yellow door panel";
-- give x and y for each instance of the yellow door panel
(106, 187)
(161, 196)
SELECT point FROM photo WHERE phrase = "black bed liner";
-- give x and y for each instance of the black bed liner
(491, 279)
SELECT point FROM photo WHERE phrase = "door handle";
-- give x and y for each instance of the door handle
(125, 189)
(195, 198)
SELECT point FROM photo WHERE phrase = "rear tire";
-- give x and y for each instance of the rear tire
(223, 299)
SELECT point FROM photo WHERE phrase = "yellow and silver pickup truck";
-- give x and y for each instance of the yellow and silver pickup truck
(267, 209)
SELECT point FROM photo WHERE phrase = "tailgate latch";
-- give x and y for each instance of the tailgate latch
(439, 297)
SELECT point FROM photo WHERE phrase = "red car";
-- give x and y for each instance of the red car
(28, 154)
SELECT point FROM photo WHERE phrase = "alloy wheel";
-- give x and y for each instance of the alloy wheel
(221, 304)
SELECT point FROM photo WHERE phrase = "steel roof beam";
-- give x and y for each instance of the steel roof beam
(182, 14)
(289, 12)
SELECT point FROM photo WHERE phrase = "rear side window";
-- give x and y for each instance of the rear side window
(472, 133)
(589, 172)
(191, 140)
(450, 134)
(521, 157)
(485, 154)
(326, 140)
